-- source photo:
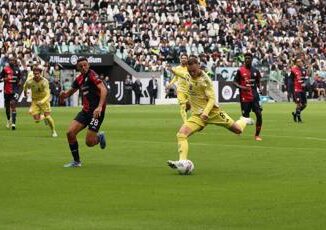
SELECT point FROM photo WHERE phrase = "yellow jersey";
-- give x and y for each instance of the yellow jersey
(181, 76)
(30, 75)
(201, 93)
(40, 90)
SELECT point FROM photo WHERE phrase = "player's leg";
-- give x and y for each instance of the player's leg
(7, 107)
(259, 120)
(221, 118)
(46, 109)
(246, 108)
(75, 127)
(239, 125)
(35, 111)
(93, 137)
(297, 111)
(13, 105)
(185, 131)
(192, 125)
(49, 120)
(303, 104)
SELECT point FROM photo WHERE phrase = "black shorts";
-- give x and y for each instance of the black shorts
(247, 107)
(11, 97)
(88, 120)
(300, 97)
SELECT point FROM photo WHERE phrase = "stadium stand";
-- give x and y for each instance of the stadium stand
(148, 34)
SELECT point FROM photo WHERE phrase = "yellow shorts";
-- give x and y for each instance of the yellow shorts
(38, 109)
(182, 97)
(216, 117)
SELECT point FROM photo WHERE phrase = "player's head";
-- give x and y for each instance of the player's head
(298, 62)
(183, 59)
(82, 65)
(194, 67)
(11, 60)
(248, 59)
(37, 71)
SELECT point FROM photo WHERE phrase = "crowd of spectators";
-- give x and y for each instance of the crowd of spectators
(148, 34)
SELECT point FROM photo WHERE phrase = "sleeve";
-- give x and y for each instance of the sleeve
(180, 73)
(94, 79)
(237, 77)
(30, 75)
(2, 75)
(174, 79)
(75, 84)
(209, 92)
(47, 93)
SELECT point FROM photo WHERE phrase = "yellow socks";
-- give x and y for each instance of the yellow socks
(50, 121)
(182, 146)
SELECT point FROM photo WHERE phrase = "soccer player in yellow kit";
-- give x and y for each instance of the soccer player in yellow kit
(40, 98)
(182, 79)
(204, 111)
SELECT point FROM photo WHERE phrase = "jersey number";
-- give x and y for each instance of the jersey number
(94, 122)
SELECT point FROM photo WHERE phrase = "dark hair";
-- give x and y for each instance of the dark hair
(183, 54)
(297, 58)
(192, 56)
(192, 60)
(248, 54)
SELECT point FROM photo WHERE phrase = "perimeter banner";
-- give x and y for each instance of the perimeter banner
(70, 60)
(227, 92)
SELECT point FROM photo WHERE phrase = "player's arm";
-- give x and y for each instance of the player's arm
(209, 92)
(103, 93)
(65, 94)
(180, 73)
(2, 75)
(68, 93)
(174, 79)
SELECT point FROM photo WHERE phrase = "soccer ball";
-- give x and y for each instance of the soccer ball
(185, 167)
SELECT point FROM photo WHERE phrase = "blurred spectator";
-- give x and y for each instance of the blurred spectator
(108, 83)
(57, 73)
(319, 87)
(55, 89)
(128, 87)
(137, 88)
(66, 86)
(148, 34)
(152, 90)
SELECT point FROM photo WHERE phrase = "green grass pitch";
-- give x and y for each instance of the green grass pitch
(238, 183)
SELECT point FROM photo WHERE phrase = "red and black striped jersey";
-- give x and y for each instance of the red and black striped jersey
(11, 77)
(87, 84)
(248, 77)
(297, 78)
